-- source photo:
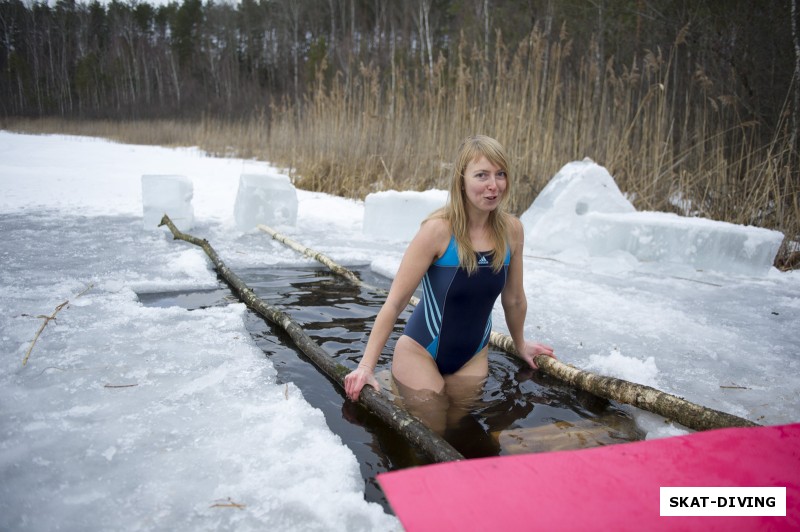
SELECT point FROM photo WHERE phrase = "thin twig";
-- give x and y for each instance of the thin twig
(120, 385)
(229, 504)
(50, 367)
(48, 319)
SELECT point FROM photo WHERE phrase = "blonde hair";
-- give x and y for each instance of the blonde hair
(455, 211)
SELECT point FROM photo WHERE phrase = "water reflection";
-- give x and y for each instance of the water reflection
(514, 410)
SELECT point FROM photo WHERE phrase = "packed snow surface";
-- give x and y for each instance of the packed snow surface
(139, 418)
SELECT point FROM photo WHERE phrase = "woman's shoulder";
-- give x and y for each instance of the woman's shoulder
(437, 224)
(512, 221)
(515, 230)
(436, 232)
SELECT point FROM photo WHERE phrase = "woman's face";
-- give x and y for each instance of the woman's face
(484, 184)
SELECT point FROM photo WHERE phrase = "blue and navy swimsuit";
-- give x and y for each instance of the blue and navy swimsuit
(454, 318)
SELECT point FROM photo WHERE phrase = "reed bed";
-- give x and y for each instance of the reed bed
(671, 145)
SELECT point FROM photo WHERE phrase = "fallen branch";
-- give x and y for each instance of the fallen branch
(686, 413)
(336, 268)
(413, 430)
(48, 319)
(310, 253)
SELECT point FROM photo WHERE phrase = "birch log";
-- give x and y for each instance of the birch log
(310, 253)
(688, 414)
(409, 427)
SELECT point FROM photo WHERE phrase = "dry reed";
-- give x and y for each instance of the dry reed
(670, 146)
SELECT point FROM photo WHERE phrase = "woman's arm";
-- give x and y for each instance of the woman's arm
(515, 304)
(429, 243)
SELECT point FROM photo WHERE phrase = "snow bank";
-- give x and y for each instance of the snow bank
(206, 425)
(140, 418)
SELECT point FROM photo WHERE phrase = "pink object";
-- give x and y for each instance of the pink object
(604, 488)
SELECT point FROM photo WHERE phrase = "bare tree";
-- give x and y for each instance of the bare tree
(293, 11)
(600, 6)
(482, 8)
(796, 111)
(422, 20)
(332, 39)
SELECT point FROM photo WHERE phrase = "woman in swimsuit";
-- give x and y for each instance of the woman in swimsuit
(465, 255)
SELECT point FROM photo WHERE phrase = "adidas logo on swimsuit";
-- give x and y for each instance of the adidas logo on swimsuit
(482, 261)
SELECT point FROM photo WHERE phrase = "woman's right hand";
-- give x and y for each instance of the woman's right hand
(531, 351)
(357, 379)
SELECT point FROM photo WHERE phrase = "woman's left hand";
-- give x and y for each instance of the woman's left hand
(531, 351)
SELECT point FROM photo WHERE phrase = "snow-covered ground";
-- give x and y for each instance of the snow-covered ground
(132, 417)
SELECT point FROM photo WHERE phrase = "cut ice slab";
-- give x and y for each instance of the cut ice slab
(582, 212)
(265, 199)
(167, 194)
(396, 216)
(697, 242)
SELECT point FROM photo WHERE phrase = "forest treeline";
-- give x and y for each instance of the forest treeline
(692, 106)
(135, 59)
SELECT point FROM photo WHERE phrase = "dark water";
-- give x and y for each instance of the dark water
(519, 410)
